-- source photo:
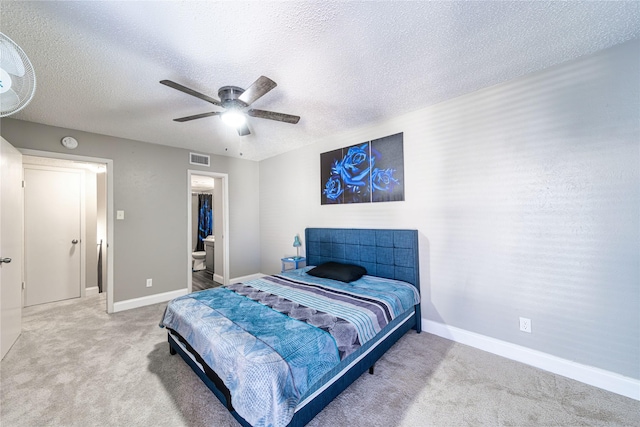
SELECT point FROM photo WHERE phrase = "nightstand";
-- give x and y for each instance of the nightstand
(292, 260)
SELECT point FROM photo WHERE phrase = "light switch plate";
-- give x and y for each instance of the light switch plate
(120, 215)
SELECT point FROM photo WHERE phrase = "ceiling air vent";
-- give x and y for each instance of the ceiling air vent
(198, 159)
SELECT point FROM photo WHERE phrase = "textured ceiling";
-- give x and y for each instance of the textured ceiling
(338, 65)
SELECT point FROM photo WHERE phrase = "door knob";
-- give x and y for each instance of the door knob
(5, 260)
(74, 241)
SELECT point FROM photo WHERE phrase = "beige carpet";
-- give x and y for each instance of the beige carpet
(74, 365)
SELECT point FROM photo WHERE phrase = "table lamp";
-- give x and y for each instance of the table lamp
(297, 244)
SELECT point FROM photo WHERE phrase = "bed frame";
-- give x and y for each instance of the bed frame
(386, 253)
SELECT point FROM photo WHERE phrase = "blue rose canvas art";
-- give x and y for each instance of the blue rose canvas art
(332, 187)
(372, 171)
(387, 169)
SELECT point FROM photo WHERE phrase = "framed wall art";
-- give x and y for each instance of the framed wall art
(371, 171)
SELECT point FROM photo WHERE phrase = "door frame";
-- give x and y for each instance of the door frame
(225, 225)
(110, 210)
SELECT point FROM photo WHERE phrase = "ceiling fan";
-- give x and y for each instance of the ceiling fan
(17, 78)
(236, 102)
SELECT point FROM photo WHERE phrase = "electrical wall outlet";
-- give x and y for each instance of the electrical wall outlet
(525, 324)
(149, 283)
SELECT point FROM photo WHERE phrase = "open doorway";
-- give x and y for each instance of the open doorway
(207, 259)
(90, 269)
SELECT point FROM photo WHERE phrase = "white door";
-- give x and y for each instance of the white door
(52, 212)
(10, 245)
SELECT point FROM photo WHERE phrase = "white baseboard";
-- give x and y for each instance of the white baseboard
(93, 290)
(246, 278)
(597, 377)
(148, 300)
(218, 278)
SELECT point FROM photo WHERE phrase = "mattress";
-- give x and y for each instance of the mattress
(276, 341)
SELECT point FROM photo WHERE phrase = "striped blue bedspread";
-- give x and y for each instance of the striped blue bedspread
(270, 339)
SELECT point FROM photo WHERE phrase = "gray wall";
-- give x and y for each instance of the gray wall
(526, 197)
(150, 185)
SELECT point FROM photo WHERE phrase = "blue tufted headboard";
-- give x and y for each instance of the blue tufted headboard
(386, 253)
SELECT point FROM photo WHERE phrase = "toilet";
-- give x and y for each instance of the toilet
(198, 260)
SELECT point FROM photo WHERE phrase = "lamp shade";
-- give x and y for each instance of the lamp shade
(296, 242)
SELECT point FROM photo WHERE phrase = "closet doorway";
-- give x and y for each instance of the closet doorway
(208, 261)
(95, 275)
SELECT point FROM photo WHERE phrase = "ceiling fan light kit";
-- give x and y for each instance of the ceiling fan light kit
(236, 102)
(234, 118)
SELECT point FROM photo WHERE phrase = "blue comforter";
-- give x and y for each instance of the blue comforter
(271, 338)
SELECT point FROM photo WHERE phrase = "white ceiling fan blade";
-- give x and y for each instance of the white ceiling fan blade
(10, 59)
(9, 100)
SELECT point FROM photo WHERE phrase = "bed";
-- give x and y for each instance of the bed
(277, 350)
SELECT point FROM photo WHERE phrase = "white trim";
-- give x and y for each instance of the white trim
(91, 291)
(110, 241)
(218, 278)
(597, 377)
(246, 278)
(110, 217)
(148, 300)
(226, 272)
